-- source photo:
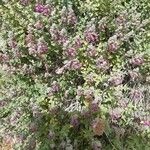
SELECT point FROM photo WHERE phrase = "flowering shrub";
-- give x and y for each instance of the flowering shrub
(74, 74)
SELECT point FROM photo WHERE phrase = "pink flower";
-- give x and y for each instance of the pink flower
(146, 123)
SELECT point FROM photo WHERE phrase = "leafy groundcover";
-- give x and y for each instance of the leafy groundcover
(75, 74)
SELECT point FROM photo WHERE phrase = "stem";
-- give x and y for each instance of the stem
(110, 142)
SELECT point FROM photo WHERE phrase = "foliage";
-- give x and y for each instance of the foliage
(75, 74)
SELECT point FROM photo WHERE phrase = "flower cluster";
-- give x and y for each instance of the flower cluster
(70, 69)
(43, 9)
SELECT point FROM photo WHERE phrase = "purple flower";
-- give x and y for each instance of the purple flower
(102, 25)
(136, 94)
(120, 20)
(24, 2)
(43, 9)
(94, 107)
(90, 78)
(112, 47)
(58, 36)
(72, 19)
(63, 145)
(3, 103)
(50, 135)
(78, 43)
(91, 37)
(29, 40)
(96, 145)
(15, 117)
(71, 52)
(12, 43)
(47, 10)
(101, 63)
(60, 70)
(73, 65)
(90, 34)
(80, 91)
(55, 87)
(35, 110)
(74, 121)
(63, 36)
(117, 80)
(38, 25)
(42, 47)
(68, 16)
(32, 144)
(123, 103)
(91, 51)
(134, 75)
(32, 49)
(4, 57)
(39, 8)
(137, 61)
(113, 44)
(54, 31)
(146, 123)
(33, 127)
(86, 114)
(89, 94)
(21, 137)
(116, 113)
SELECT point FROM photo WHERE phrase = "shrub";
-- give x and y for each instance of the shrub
(75, 74)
